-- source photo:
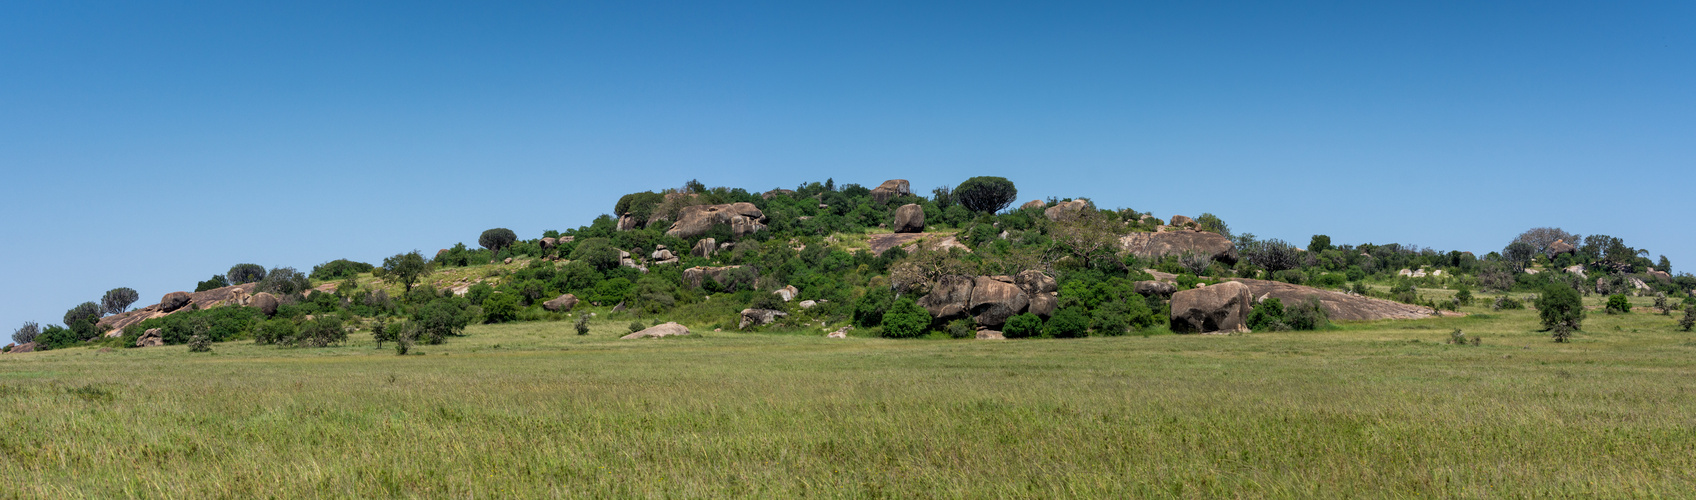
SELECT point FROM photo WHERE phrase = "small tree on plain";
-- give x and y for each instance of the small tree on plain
(582, 324)
(407, 268)
(118, 300)
(1561, 310)
(1689, 319)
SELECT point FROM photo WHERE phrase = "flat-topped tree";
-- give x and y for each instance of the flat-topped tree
(986, 194)
(497, 239)
(244, 273)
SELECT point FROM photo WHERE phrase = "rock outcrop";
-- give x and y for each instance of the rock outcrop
(1181, 221)
(743, 219)
(990, 300)
(1221, 308)
(1065, 209)
(891, 189)
(174, 301)
(1560, 247)
(1338, 306)
(704, 247)
(114, 325)
(1158, 245)
(150, 338)
(627, 222)
(910, 218)
(23, 348)
(840, 333)
(758, 317)
(561, 303)
(1038, 204)
(1156, 288)
(657, 331)
(694, 275)
(991, 335)
(787, 293)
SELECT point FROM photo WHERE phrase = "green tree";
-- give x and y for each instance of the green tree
(1618, 304)
(406, 268)
(1022, 326)
(1689, 319)
(986, 194)
(1067, 324)
(81, 319)
(216, 282)
(440, 318)
(598, 252)
(1320, 243)
(1210, 222)
(869, 310)
(500, 308)
(905, 319)
(1561, 309)
(241, 274)
(497, 239)
(118, 300)
(943, 197)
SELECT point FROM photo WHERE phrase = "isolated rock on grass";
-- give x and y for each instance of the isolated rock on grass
(909, 218)
(561, 303)
(174, 301)
(665, 330)
(1221, 308)
(840, 333)
(153, 337)
(990, 335)
(23, 348)
(758, 317)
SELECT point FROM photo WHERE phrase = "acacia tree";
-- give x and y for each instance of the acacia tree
(118, 300)
(408, 268)
(986, 194)
(497, 239)
(1519, 253)
(245, 273)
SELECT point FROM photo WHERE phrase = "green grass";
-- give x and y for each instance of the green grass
(1378, 409)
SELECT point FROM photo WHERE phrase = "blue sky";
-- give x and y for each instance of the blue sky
(154, 144)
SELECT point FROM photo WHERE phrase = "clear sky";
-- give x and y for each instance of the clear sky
(154, 144)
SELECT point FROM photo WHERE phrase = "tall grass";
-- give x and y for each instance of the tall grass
(534, 410)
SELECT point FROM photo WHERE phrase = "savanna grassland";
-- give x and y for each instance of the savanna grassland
(1380, 409)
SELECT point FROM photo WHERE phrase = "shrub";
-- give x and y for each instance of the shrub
(81, 319)
(1022, 326)
(1618, 304)
(1291, 276)
(118, 300)
(380, 332)
(241, 274)
(1110, 318)
(905, 319)
(636, 326)
(962, 328)
(322, 331)
(1463, 295)
(1330, 280)
(55, 337)
(339, 269)
(500, 308)
(199, 343)
(440, 318)
(597, 252)
(582, 324)
(27, 333)
(216, 282)
(1067, 324)
(985, 194)
(868, 311)
(1561, 310)
(497, 239)
(1662, 305)
(284, 281)
(1689, 319)
(1268, 315)
(1506, 302)
(1307, 315)
(613, 291)
(276, 331)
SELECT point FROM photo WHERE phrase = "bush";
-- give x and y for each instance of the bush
(199, 343)
(82, 318)
(1307, 315)
(1022, 326)
(440, 318)
(1689, 319)
(986, 194)
(1069, 323)
(55, 337)
(27, 333)
(276, 331)
(1618, 304)
(868, 311)
(962, 328)
(636, 326)
(1463, 295)
(1267, 316)
(905, 319)
(284, 281)
(1561, 310)
(118, 300)
(381, 332)
(500, 308)
(241, 274)
(597, 252)
(582, 324)
(339, 269)
(407, 268)
(1291, 276)
(322, 331)
(216, 282)
(1506, 302)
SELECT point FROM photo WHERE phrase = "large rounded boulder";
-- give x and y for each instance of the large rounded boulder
(1154, 246)
(1065, 210)
(910, 218)
(665, 330)
(1221, 308)
(174, 301)
(561, 303)
(264, 302)
(743, 218)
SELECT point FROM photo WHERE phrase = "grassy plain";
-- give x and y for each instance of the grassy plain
(1380, 409)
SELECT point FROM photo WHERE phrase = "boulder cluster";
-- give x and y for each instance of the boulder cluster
(991, 300)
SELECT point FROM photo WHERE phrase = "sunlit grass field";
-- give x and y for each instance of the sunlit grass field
(1381, 409)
